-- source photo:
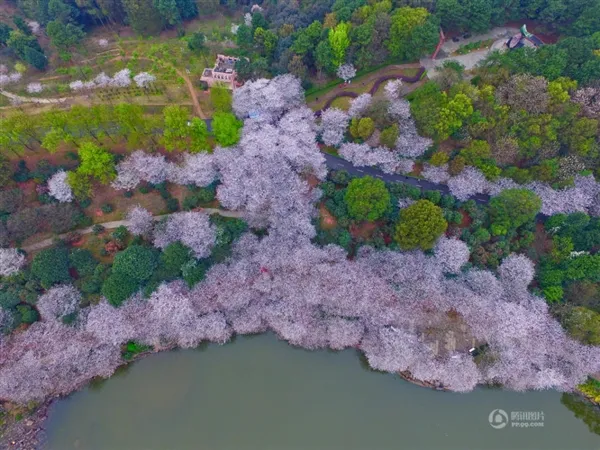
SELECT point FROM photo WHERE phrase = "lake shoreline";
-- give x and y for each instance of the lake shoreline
(26, 429)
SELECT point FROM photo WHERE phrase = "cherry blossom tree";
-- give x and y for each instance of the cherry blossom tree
(144, 79)
(102, 43)
(121, 79)
(409, 143)
(34, 27)
(451, 254)
(191, 228)
(11, 261)
(436, 174)
(359, 105)
(517, 270)
(102, 80)
(34, 88)
(393, 89)
(139, 221)
(467, 183)
(59, 188)
(197, 169)
(334, 123)
(589, 99)
(266, 100)
(59, 302)
(346, 72)
(138, 167)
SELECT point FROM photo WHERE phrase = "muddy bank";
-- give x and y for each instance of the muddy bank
(23, 428)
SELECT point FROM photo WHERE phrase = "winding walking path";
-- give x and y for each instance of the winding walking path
(337, 163)
(117, 223)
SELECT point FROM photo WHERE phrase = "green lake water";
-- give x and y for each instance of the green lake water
(260, 393)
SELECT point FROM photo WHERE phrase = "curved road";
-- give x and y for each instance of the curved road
(337, 163)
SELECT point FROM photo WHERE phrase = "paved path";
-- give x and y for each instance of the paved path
(22, 99)
(117, 223)
(470, 60)
(337, 163)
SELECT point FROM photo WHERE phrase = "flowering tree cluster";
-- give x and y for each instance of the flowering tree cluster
(34, 27)
(589, 99)
(346, 72)
(334, 122)
(59, 188)
(11, 261)
(435, 174)
(583, 196)
(359, 105)
(58, 303)
(195, 169)
(266, 100)
(139, 221)
(381, 302)
(34, 88)
(6, 79)
(191, 228)
(363, 155)
(121, 79)
(144, 79)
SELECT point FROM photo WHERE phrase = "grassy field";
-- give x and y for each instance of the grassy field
(359, 85)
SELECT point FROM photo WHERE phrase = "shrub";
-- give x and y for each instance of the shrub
(118, 287)
(51, 266)
(438, 159)
(83, 262)
(173, 257)
(420, 225)
(389, 136)
(136, 261)
(98, 229)
(367, 198)
(172, 204)
(106, 208)
(120, 234)
(194, 272)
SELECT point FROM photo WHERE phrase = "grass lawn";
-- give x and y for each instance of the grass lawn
(342, 103)
(359, 85)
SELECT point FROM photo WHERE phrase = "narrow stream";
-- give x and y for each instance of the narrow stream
(260, 393)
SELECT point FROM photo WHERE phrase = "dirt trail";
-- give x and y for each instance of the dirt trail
(346, 89)
(116, 224)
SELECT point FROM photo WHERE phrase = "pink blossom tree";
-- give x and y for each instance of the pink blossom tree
(334, 123)
(359, 105)
(11, 261)
(59, 188)
(346, 72)
(139, 221)
(451, 254)
(59, 302)
(191, 228)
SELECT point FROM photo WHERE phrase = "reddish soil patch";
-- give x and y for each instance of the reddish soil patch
(466, 219)
(106, 194)
(363, 230)
(417, 169)
(542, 242)
(312, 181)
(328, 221)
